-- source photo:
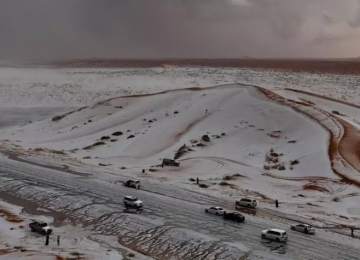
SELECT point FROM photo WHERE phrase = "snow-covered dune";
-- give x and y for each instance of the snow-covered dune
(242, 124)
(261, 144)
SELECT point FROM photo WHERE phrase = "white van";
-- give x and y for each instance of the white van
(275, 234)
(246, 202)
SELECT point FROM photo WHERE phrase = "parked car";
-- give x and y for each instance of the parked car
(275, 234)
(40, 227)
(215, 210)
(132, 202)
(305, 228)
(133, 184)
(246, 202)
(170, 162)
(234, 216)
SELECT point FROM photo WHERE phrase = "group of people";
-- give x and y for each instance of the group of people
(47, 240)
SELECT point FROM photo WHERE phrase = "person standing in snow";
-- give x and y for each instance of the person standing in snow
(277, 203)
(58, 240)
(47, 240)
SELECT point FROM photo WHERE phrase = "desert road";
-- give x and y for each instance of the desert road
(172, 225)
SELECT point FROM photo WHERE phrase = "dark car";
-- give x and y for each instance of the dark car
(234, 216)
(170, 162)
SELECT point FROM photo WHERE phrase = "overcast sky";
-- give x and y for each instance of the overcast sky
(179, 28)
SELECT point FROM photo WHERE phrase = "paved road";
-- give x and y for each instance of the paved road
(173, 224)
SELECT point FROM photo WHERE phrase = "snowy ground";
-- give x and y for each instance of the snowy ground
(261, 145)
(18, 242)
(38, 87)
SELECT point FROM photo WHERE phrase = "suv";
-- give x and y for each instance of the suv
(133, 183)
(234, 216)
(170, 162)
(307, 229)
(274, 234)
(246, 202)
(132, 202)
(41, 227)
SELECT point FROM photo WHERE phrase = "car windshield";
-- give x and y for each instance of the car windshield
(43, 224)
(220, 208)
(284, 234)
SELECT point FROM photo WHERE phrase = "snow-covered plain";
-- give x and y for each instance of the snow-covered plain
(18, 242)
(251, 136)
(41, 87)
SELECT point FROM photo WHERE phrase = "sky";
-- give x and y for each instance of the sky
(70, 29)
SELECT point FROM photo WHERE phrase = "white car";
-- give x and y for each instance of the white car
(132, 202)
(215, 210)
(305, 228)
(246, 202)
(275, 234)
(133, 184)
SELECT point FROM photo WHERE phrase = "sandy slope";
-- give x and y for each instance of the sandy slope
(244, 126)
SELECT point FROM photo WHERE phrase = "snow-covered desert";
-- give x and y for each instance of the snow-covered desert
(272, 135)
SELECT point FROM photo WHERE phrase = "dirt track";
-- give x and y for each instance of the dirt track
(334, 66)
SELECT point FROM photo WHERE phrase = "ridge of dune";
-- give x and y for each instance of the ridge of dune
(343, 142)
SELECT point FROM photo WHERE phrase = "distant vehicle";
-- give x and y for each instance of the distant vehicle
(234, 216)
(305, 228)
(40, 227)
(275, 234)
(215, 210)
(170, 162)
(132, 202)
(133, 184)
(246, 202)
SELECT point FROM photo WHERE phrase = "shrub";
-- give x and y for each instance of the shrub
(131, 136)
(224, 183)
(57, 118)
(75, 254)
(98, 143)
(118, 133)
(294, 162)
(192, 179)
(202, 185)
(58, 152)
(266, 167)
(105, 137)
(227, 178)
(282, 168)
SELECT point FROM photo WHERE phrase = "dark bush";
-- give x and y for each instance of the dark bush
(203, 185)
(294, 162)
